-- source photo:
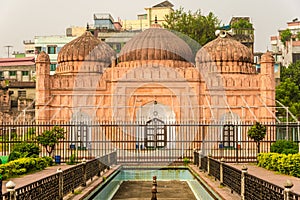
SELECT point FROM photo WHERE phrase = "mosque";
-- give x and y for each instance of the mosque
(155, 78)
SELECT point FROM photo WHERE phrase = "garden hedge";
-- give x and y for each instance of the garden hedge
(24, 166)
(285, 164)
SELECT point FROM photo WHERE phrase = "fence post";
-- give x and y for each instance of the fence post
(221, 171)
(208, 168)
(200, 156)
(99, 166)
(243, 185)
(287, 189)
(10, 187)
(194, 157)
(84, 172)
(60, 183)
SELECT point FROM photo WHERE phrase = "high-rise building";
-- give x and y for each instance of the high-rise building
(287, 51)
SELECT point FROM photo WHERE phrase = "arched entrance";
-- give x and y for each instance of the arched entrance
(155, 134)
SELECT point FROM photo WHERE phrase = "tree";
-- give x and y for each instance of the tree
(242, 24)
(288, 91)
(195, 25)
(292, 72)
(285, 36)
(257, 132)
(50, 138)
(298, 35)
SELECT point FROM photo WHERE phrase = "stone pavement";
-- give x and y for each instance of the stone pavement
(270, 176)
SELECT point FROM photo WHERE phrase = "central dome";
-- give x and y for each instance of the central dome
(156, 44)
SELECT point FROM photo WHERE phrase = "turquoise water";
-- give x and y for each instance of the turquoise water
(111, 186)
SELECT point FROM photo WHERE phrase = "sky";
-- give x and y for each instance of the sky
(22, 20)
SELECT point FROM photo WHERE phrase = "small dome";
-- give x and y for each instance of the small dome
(156, 44)
(43, 57)
(86, 48)
(229, 55)
(267, 57)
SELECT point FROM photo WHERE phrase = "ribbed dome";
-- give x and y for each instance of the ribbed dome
(43, 57)
(86, 48)
(267, 57)
(156, 44)
(228, 54)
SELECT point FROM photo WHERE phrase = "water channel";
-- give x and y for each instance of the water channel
(136, 183)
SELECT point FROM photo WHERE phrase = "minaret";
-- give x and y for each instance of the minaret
(42, 87)
(267, 86)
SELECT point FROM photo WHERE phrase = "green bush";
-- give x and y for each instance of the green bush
(23, 166)
(4, 159)
(285, 147)
(285, 164)
(24, 150)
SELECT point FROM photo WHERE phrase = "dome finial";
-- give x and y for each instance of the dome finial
(87, 26)
(155, 19)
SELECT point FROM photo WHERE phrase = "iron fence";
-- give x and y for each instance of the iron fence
(256, 188)
(62, 183)
(144, 142)
(232, 178)
(253, 187)
(214, 168)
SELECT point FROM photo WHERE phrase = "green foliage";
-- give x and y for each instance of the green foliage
(195, 25)
(4, 159)
(298, 35)
(257, 132)
(284, 147)
(285, 35)
(292, 72)
(285, 164)
(23, 166)
(242, 24)
(50, 138)
(73, 158)
(288, 91)
(23, 150)
(186, 161)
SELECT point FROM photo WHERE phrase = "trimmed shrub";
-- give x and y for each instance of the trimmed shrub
(285, 147)
(23, 166)
(24, 150)
(285, 164)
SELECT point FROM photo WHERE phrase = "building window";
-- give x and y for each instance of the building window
(22, 93)
(12, 73)
(228, 136)
(25, 73)
(14, 103)
(38, 50)
(1, 75)
(155, 134)
(51, 50)
(52, 67)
